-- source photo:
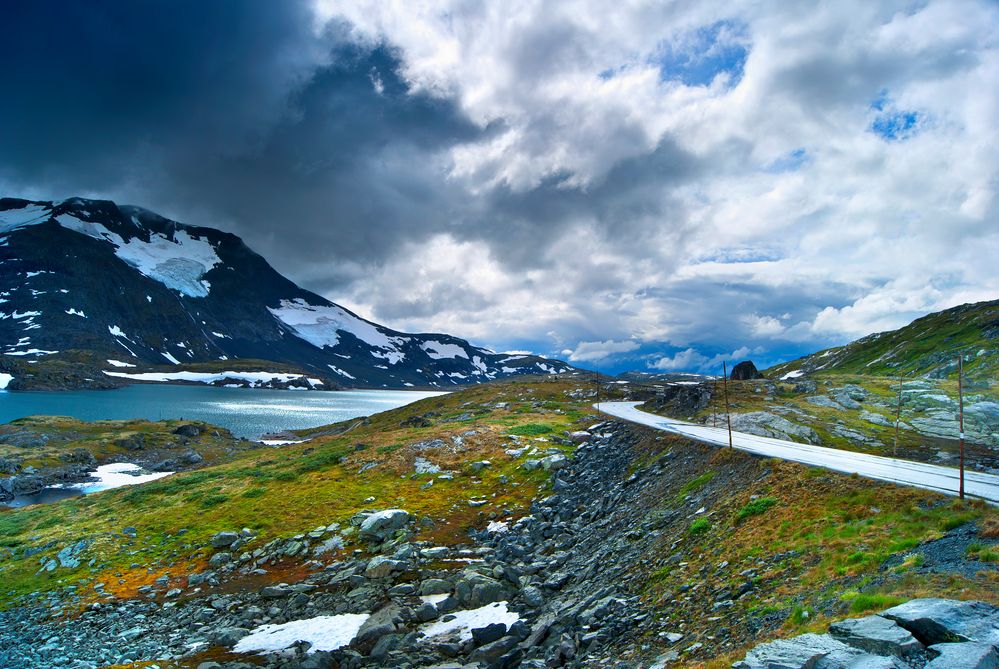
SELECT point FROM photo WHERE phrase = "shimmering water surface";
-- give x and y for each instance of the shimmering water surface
(246, 412)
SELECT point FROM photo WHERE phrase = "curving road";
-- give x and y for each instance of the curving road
(904, 472)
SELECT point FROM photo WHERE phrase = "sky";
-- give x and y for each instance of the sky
(656, 186)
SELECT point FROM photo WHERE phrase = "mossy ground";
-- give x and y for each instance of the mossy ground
(281, 492)
(838, 530)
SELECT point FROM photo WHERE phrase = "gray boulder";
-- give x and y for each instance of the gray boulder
(935, 621)
(224, 540)
(383, 524)
(435, 586)
(476, 590)
(800, 652)
(488, 634)
(380, 623)
(553, 463)
(766, 424)
(381, 566)
(968, 655)
(229, 636)
(490, 654)
(878, 635)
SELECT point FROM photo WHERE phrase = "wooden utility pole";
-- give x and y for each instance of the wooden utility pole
(960, 417)
(898, 414)
(728, 414)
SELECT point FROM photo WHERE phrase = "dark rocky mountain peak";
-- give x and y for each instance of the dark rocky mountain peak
(108, 291)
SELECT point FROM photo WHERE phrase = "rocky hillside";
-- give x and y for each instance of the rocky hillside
(504, 525)
(94, 294)
(927, 347)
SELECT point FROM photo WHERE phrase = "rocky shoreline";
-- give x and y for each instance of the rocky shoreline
(76, 465)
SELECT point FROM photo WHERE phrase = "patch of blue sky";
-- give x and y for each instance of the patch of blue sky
(890, 122)
(742, 255)
(789, 162)
(696, 58)
(702, 55)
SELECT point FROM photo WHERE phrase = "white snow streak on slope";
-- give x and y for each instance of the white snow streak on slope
(439, 350)
(319, 325)
(465, 621)
(116, 475)
(341, 372)
(119, 363)
(792, 375)
(17, 218)
(178, 265)
(204, 377)
(5, 380)
(170, 357)
(325, 633)
(905, 472)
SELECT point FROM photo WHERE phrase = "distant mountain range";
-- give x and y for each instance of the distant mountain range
(929, 346)
(95, 294)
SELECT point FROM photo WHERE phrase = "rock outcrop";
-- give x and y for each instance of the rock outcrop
(922, 633)
(745, 371)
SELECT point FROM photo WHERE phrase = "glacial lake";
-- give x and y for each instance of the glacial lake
(247, 412)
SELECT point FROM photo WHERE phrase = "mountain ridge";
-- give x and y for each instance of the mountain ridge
(98, 287)
(928, 346)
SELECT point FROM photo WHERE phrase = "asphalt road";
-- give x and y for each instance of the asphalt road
(904, 472)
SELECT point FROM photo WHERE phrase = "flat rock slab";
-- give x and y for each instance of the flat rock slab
(935, 621)
(969, 655)
(878, 635)
(808, 651)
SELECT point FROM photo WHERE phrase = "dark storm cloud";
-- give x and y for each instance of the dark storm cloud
(311, 146)
(231, 114)
(93, 88)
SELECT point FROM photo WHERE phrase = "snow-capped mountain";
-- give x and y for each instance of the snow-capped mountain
(100, 290)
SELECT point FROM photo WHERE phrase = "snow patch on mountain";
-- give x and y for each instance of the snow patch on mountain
(32, 214)
(439, 350)
(341, 372)
(253, 378)
(320, 325)
(178, 263)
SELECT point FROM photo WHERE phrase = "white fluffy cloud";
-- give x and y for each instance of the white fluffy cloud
(800, 174)
(595, 351)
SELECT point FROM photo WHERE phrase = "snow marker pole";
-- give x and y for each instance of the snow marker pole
(960, 417)
(728, 415)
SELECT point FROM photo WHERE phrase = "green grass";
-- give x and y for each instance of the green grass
(864, 602)
(699, 526)
(756, 507)
(280, 493)
(530, 430)
(982, 553)
(695, 484)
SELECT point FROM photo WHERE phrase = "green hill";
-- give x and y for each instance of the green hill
(927, 347)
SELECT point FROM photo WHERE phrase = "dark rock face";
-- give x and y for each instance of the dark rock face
(92, 281)
(745, 371)
(682, 399)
